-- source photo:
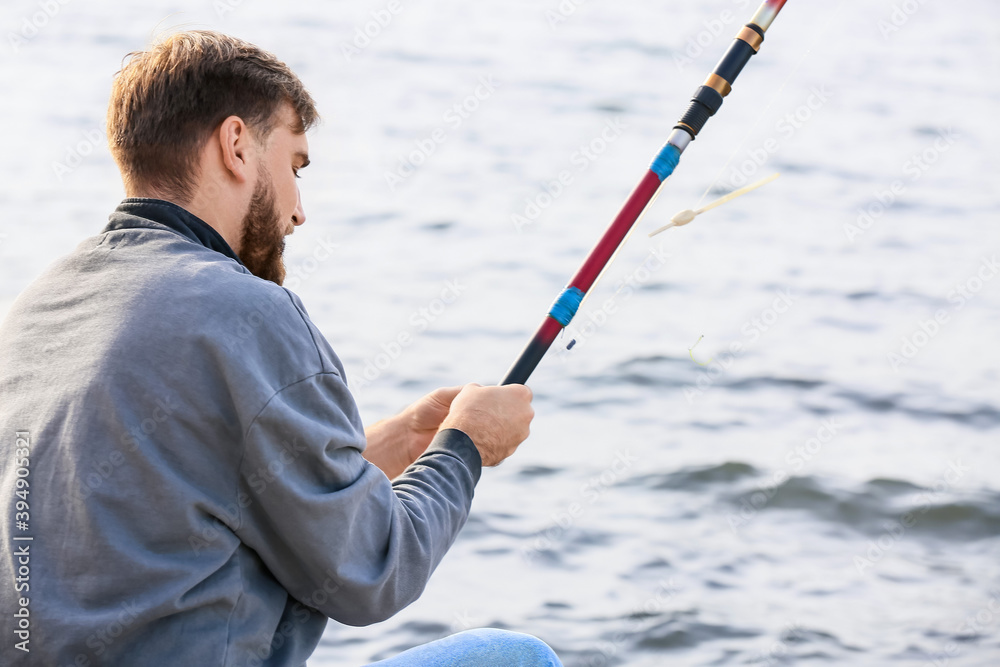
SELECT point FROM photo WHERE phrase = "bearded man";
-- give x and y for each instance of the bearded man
(186, 477)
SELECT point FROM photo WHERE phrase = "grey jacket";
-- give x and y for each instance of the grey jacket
(180, 465)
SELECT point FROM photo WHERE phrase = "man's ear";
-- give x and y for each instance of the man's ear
(236, 144)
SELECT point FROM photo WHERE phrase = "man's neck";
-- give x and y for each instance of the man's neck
(207, 211)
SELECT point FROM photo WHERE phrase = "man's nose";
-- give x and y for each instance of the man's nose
(299, 216)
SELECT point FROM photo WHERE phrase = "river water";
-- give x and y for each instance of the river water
(814, 482)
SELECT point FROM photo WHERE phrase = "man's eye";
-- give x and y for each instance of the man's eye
(296, 172)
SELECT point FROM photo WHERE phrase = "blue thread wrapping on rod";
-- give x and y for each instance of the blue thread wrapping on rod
(566, 305)
(666, 161)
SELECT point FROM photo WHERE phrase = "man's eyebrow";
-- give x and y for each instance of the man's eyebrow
(304, 157)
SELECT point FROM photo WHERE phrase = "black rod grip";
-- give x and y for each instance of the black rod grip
(526, 362)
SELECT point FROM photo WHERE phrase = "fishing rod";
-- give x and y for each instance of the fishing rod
(706, 101)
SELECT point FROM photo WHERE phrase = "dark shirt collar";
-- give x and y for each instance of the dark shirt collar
(136, 212)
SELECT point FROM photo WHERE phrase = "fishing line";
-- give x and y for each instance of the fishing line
(722, 171)
(774, 97)
(739, 148)
(618, 252)
(706, 101)
(691, 352)
(607, 266)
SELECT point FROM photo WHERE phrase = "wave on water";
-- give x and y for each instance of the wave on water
(695, 478)
(679, 373)
(940, 513)
(672, 632)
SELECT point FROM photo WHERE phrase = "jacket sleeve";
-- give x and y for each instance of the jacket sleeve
(322, 518)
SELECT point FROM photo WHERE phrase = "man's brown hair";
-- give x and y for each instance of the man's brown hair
(166, 101)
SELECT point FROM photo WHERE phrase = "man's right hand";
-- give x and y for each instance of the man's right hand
(497, 419)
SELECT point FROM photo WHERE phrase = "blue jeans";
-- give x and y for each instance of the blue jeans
(478, 648)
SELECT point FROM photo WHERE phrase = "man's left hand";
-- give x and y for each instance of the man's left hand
(396, 442)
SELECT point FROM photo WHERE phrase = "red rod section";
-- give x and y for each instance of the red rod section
(616, 232)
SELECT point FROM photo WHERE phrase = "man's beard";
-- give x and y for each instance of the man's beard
(263, 241)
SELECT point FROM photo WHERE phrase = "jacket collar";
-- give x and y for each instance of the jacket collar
(136, 212)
